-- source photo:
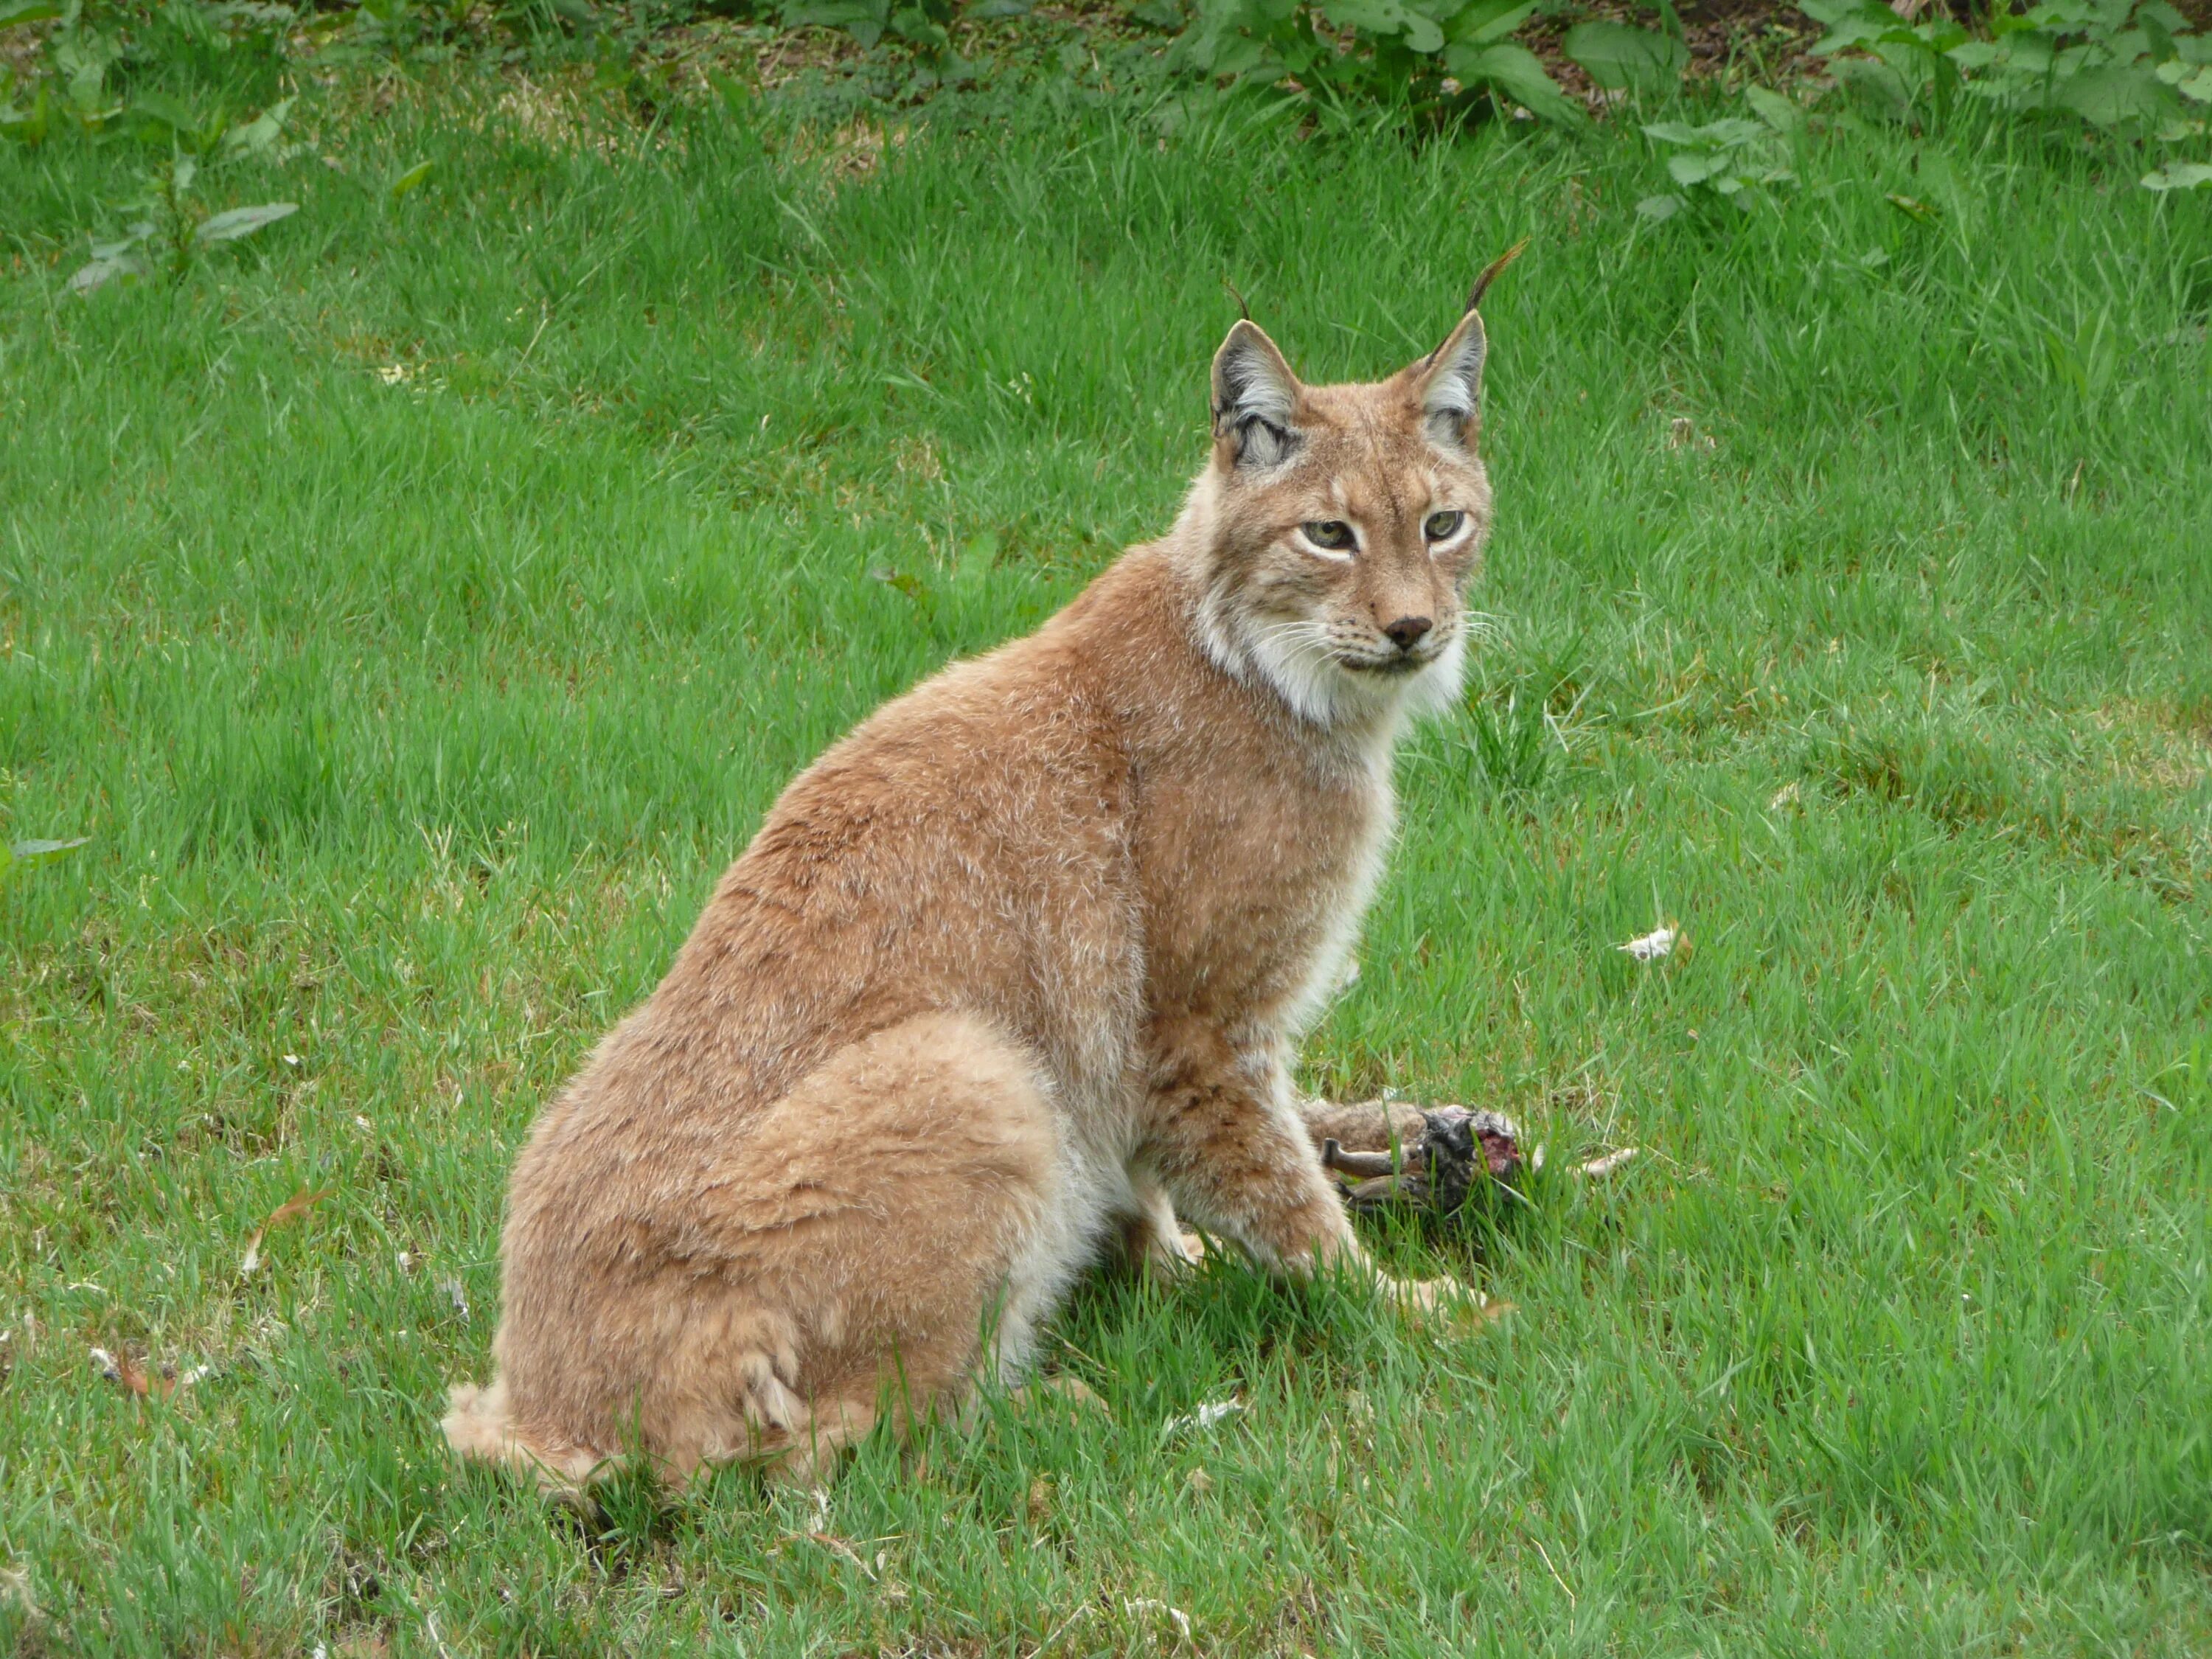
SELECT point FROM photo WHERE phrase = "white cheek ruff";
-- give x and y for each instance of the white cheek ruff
(1297, 662)
(1437, 687)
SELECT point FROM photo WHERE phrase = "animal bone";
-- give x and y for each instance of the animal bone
(1393, 1149)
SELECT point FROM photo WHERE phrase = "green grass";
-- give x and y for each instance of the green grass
(418, 607)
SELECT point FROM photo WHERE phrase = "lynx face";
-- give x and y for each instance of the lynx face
(1347, 521)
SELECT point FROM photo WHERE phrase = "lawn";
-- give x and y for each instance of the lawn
(418, 605)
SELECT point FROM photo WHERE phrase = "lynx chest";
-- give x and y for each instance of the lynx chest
(1254, 878)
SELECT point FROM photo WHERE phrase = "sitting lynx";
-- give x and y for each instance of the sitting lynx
(1013, 972)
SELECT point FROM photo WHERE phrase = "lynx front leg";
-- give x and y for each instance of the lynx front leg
(1229, 1145)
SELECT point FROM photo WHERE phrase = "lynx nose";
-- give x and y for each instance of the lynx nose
(1406, 632)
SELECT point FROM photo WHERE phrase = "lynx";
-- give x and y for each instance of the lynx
(1011, 975)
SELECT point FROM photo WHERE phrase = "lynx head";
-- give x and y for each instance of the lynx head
(1342, 525)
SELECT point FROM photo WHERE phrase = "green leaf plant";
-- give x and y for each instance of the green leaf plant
(1430, 56)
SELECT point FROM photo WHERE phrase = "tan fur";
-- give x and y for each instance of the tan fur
(1014, 971)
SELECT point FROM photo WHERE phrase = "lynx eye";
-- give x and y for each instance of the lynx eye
(1441, 525)
(1330, 535)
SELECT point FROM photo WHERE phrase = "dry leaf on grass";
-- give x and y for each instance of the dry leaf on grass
(16, 1591)
(1598, 1169)
(290, 1210)
(1593, 1169)
(879, 1574)
(1682, 434)
(1145, 1606)
(838, 1547)
(1204, 1418)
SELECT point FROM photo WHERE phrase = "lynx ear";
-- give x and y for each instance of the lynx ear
(1450, 385)
(1253, 395)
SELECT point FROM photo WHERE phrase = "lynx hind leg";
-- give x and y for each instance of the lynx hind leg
(1153, 1242)
(893, 1206)
(845, 1257)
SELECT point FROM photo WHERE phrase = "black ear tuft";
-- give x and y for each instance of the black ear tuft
(1254, 395)
(1492, 272)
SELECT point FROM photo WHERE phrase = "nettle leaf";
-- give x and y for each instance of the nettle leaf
(1372, 15)
(91, 278)
(29, 126)
(2113, 97)
(13, 12)
(1386, 17)
(1877, 87)
(259, 136)
(1688, 167)
(1732, 132)
(1660, 208)
(130, 238)
(864, 20)
(1850, 32)
(1485, 21)
(2179, 175)
(912, 24)
(1518, 73)
(1937, 37)
(1833, 12)
(1620, 57)
(1781, 115)
(2187, 79)
(29, 852)
(161, 119)
(1422, 33)
(244, 222)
